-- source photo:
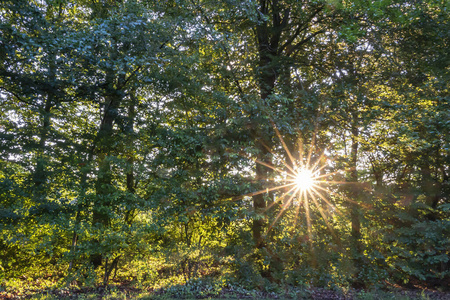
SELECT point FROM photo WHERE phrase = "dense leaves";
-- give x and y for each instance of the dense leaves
(153, 140)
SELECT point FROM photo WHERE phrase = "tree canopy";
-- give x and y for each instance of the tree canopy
(167, 141)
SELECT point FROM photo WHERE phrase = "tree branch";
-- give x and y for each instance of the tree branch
(16, 95)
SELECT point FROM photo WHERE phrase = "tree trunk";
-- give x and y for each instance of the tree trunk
(40, 174)
(129, 130)
(267, 76)
(259, 205)
(354, 195)
(103, 186)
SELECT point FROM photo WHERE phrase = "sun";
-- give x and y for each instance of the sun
(304, 179)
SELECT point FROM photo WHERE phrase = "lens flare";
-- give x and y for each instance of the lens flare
(303, 182)
(304, 179)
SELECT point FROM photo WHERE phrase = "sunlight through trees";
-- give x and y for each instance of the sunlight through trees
(249, 143)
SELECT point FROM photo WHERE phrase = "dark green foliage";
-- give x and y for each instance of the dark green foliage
(149, 141)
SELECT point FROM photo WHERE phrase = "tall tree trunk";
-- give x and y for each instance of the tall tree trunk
(279, 35)
(103, 185)
(267, 41)
(259, 205)
(354, 195)
(268, 38)
(104, 142)
(80, 206)
(40, 173)
(129, 215)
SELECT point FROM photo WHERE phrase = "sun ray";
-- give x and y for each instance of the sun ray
(262, 191)
(327, 174)
(308, 216)
(297, 212)
(283, 208)
(284, 195)
(327, 202)
(318, 160)
(313, 142)
(284, 145)
(266, 164)
(307, 181)
(325, 218)
(334, 193)
(270, 166)
(300, 151)
(339, 182)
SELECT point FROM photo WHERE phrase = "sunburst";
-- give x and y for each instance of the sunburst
(305, 183)
(304, 179)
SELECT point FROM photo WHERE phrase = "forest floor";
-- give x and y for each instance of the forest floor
(125, 291)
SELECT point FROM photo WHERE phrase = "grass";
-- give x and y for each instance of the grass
(120, 293)
(54, 287)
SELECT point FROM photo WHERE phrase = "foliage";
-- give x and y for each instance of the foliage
(148, 142)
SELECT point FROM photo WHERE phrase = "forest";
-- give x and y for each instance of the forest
(265, 147)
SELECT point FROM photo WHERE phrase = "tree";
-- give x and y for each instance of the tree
(135, 130)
